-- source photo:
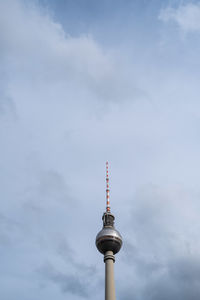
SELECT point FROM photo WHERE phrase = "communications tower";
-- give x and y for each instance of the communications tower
(108, 242)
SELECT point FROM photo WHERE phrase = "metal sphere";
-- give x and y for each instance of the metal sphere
(108, 239)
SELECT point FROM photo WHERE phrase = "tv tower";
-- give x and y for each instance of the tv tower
(108, 242)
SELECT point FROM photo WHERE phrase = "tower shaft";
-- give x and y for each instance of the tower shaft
(109, 260)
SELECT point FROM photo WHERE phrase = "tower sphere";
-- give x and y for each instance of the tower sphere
(108, 239)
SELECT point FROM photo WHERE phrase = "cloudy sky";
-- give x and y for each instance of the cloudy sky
(82, 82)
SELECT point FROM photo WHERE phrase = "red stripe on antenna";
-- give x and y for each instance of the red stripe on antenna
(107, 190)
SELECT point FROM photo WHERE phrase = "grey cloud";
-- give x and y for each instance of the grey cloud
(9, 230)
(144, 266)
(178, 278)
(186, 16)
(47, 199)
(52, 185)
(179, 281)
(161, 250)
(64, 250)
(60, 59)
(7, 103)
(51, 212)
(7, 106)
(186, 269)
(78, 282)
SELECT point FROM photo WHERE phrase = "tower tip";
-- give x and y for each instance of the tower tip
(107, 190)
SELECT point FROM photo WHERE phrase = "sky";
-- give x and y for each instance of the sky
(83, 82)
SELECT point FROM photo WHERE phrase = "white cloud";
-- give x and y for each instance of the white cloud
(37, 49)
(186, 16)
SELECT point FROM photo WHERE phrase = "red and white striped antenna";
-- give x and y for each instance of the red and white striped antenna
(107, 190)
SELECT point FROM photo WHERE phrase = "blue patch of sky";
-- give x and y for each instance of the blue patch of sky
(110, 22)
(131, 27)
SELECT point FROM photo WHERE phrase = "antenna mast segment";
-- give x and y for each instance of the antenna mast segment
(107, 190)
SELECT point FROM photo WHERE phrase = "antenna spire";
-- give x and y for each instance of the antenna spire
(107, 190)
